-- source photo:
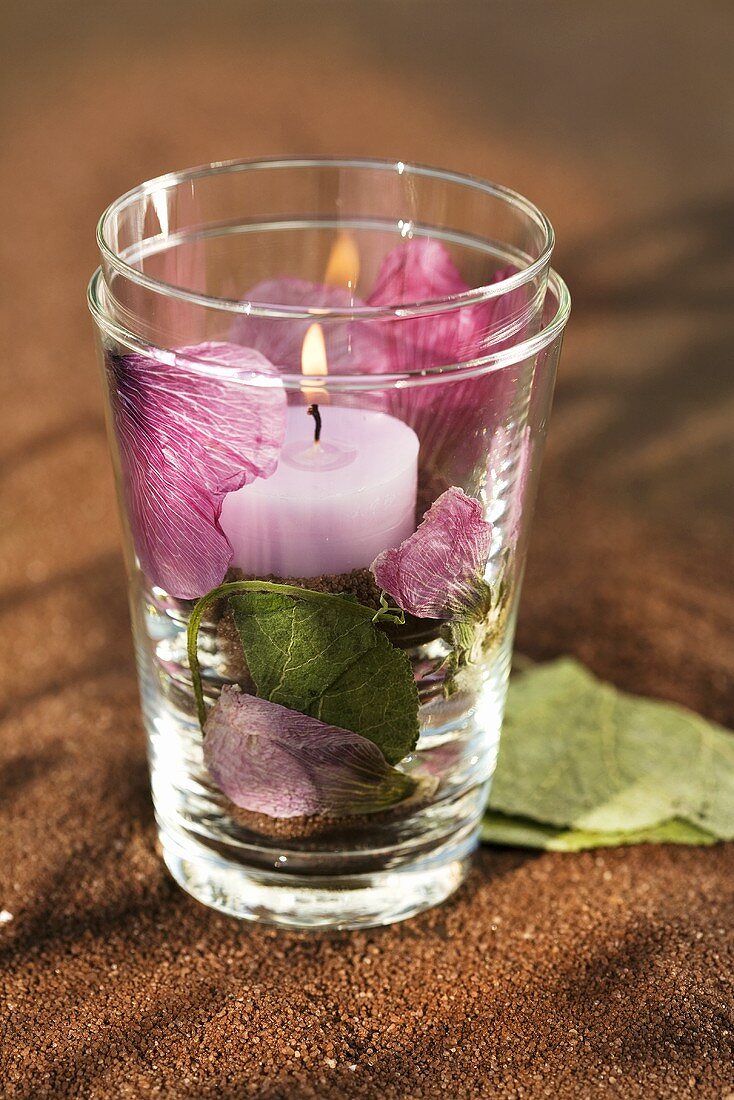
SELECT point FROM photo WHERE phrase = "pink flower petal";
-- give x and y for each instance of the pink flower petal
(451, 419)
(416, 271)
(420, 270)
(191, 429)
(438, 571)
(272, 760)
(352, 346)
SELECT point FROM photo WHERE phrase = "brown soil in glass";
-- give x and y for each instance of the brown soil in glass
(353, 830)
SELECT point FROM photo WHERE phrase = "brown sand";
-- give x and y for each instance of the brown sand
(606, 974)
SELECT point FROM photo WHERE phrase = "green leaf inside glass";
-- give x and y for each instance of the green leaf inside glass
(321, 659)
(320, 654)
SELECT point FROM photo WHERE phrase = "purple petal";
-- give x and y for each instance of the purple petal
(416, 271)
(453, 419)
(191, 428)
(422, 269)
(351, 345)
(437, 572)
(272, 760)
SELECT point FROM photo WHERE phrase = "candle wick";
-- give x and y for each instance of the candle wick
(313, 410)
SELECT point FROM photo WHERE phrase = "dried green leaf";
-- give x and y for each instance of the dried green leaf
(577, 753)
(321, 659)
(519, 832)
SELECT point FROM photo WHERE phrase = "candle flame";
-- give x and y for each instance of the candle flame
(313, 365)
(343, 266)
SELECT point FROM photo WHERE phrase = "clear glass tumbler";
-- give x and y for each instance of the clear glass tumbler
(328, 384)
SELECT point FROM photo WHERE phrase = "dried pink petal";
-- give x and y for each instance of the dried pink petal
(272, 760)
(351, 345)
(438, 571)
(453, 418)
(191, 428)
(419, 270)
(416, 270)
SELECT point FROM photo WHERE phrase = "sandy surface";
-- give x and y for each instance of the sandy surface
(605, 974)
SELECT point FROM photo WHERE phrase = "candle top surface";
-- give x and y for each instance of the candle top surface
(358, 449)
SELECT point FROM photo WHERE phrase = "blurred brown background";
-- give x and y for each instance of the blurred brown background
(601, 973)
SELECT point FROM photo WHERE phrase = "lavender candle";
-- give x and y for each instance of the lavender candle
(331, 506)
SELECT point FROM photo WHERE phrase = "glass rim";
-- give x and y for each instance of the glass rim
(473, 296)
(337, 383)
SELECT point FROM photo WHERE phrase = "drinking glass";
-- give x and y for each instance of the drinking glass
(327, 388)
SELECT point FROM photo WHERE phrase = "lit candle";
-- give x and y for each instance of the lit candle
(339, 496)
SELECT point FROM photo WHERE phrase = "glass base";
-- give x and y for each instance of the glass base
(326, 902)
